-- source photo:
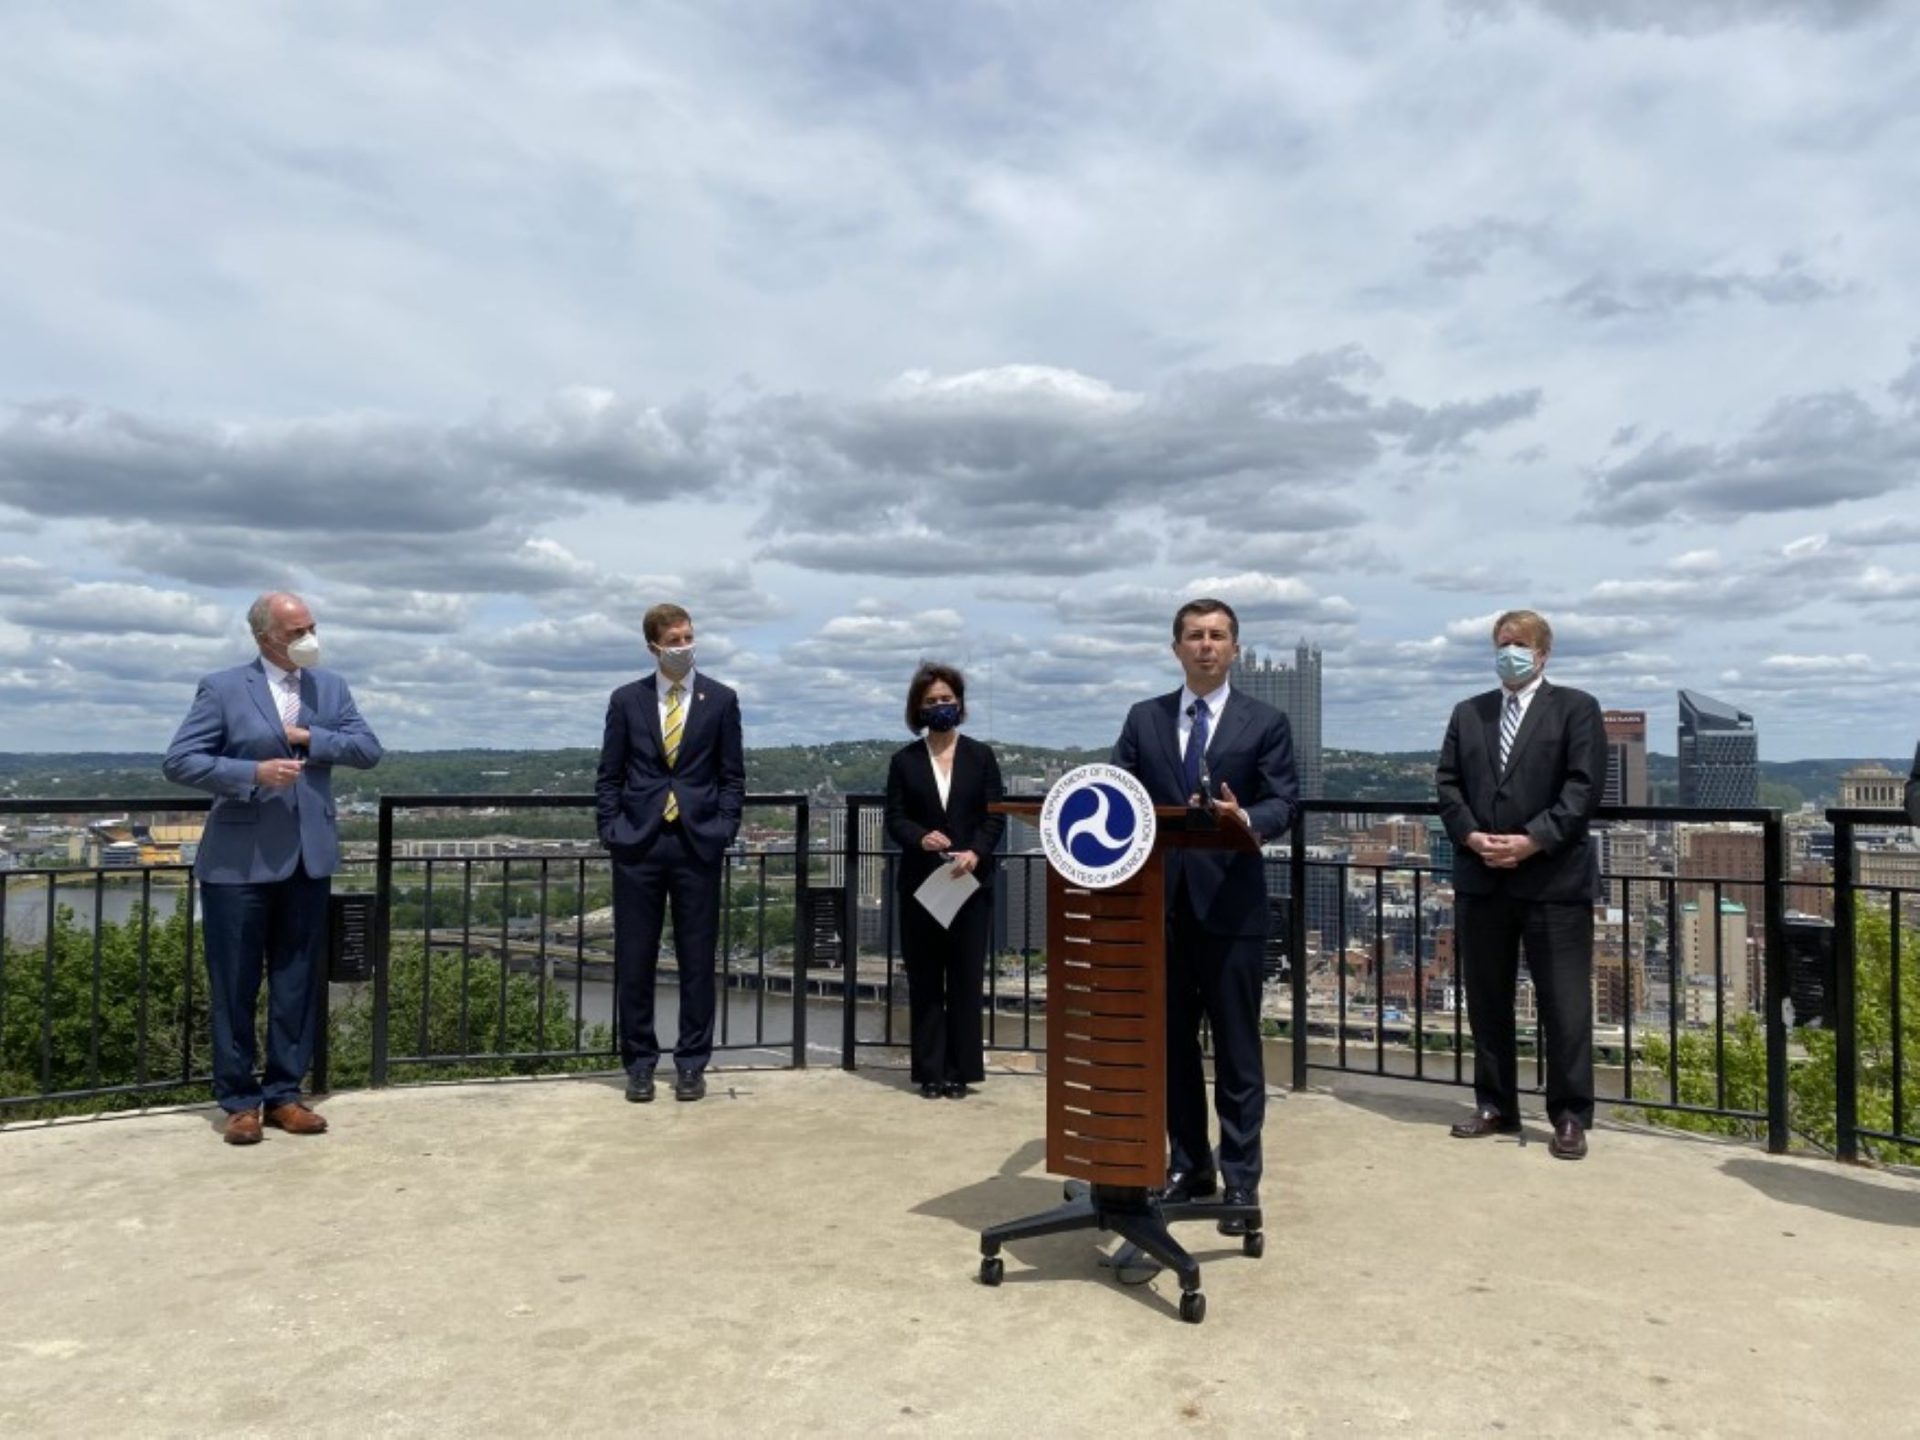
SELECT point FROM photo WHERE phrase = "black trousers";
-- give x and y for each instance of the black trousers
(278, 927)
(1216, 976)
(1558, 941)
(644, 884)
(946, 973)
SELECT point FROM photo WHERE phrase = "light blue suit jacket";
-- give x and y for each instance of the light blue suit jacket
(257, 834)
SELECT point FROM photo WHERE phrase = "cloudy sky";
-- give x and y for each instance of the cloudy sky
(872, 330)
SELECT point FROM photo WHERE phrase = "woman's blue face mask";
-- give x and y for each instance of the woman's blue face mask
(940, 718)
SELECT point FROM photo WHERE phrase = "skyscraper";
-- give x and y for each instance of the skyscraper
(1626, 757)
(1719, 754)
(873, 845)
(1294, 690)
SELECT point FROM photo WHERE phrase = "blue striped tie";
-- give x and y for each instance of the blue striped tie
(1509, 727)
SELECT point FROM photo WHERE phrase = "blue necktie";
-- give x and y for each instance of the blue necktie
(1196, 746)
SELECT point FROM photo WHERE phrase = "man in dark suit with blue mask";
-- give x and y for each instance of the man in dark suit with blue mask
(671, 783)
(1520, 778)
(1206, 743)
(263, 739)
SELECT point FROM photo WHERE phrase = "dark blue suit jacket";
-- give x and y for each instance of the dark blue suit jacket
(1252, 752)
(710, 776)
(257, 834)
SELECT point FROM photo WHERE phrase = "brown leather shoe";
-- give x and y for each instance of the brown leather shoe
(243, 1127)
(1569, 1140)
(296, 1119)
(1485, 1121)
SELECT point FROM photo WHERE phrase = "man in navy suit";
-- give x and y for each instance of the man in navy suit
(1521, 774)
(672, 779)
(1206, 737)
(263, 739)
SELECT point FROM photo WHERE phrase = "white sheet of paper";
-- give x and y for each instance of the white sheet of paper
(943, 893)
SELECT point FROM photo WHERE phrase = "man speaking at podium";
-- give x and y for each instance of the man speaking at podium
(1204, 744)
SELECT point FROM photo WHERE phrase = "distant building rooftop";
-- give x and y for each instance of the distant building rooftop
(1712, 713)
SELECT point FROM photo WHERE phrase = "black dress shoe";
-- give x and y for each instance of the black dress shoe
(640, 1086)
(930, 1091)
(1569, 1140)
(1239, 1196)
(689, 1085)
(1484, 1121)
(1186, 1185)
(954, 1090)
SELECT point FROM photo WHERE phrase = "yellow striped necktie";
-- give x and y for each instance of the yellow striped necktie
(670, 740)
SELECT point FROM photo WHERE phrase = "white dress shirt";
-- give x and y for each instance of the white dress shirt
(1526, 696)
(665, 683)
(1216, 702)
(283, 682)
(942, 776)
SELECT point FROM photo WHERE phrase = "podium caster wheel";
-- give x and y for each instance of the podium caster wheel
(1193, 1307)
(992, 1270)
(1253, 1245)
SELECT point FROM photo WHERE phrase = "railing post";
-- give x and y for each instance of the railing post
(849, 936)
(383, 942)
(323, 1033)
(1776, 985)
(1297, 944)
(802, 930)
(1846, 1039)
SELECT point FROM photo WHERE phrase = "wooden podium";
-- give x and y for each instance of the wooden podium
(1107, 1060)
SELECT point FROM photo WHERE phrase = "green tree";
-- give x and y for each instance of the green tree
(69, 1024)
(472, 1009)
(1874, 1029)
(138, 1016)
(1810, 1081)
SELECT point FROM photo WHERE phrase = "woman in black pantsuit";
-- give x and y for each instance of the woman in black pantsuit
(938, 790)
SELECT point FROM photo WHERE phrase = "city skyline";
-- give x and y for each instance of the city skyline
(974, 333)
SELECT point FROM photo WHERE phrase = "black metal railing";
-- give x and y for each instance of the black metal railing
(496, 962)
(91, 1011)
(1015, 1009)
(528, 896)
(1352, 1027)
(1876, 1052)
(1407, 1059)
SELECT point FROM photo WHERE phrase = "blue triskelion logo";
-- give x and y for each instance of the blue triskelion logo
(1097, 826)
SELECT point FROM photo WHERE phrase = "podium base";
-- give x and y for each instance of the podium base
(1138, 1217)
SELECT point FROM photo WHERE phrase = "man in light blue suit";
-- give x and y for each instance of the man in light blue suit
(262, 739)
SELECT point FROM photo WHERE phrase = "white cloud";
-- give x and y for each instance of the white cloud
(108, 608)
(870, 331)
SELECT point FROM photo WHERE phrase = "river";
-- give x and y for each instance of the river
(26, 905)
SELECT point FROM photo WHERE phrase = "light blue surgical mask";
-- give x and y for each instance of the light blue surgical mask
(1515, 664)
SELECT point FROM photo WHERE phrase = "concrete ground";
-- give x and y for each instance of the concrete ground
(796, 1255)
